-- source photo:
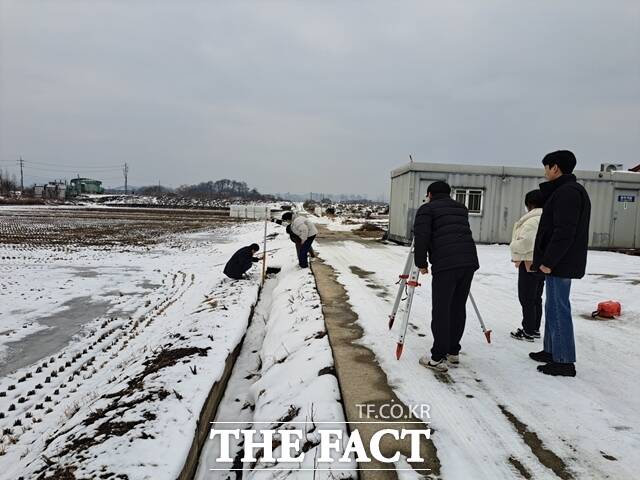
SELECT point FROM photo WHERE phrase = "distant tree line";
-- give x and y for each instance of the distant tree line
(220, 189)
(8, 183)
(153, 190)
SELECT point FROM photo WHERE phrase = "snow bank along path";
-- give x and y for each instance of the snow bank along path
(284, 379)
(495, 416)
(124, 396)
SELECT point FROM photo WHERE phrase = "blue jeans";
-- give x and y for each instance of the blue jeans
(558, 327)
(304, 251)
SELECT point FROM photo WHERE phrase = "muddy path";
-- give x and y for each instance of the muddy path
(362, 381)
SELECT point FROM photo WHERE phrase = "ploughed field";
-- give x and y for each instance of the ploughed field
(26, 227)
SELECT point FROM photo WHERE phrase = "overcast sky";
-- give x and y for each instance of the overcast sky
(313, 96)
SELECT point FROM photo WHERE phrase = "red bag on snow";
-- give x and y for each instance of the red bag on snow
(608, 309)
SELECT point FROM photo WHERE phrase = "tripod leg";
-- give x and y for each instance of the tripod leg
(412, 283)
(487, 333)
(401, 285)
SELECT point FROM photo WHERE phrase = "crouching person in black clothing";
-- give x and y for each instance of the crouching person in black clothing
(241, 261)
(443, 237)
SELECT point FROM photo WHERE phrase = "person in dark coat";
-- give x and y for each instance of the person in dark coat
(442, 235)
(241, 261)
(560, 252)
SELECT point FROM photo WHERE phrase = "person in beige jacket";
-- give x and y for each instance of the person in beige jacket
(530, 284)
(306, 231)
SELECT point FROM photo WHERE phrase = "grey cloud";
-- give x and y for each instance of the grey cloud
(322, 96)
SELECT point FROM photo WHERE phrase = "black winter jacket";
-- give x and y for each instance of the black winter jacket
(239, 263)
(563, 233)
(442, 233)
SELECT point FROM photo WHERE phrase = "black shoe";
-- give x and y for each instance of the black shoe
(536, 334)
(542, 356)
(558, 369)
(520, 334)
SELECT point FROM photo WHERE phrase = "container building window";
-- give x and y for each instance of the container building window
(472, 198)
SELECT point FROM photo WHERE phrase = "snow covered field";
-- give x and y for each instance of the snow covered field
(495, 416)
(120, 348)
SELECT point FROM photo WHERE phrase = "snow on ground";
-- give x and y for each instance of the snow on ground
(284, 377)
(107, 355)
(347, 223)
(340, 226)
(118, 389)
(484, 410)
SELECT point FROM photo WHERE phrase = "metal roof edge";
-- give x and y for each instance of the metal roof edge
(618, 175)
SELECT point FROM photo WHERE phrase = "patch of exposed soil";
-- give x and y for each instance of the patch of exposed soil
(121, 401)
(546, 457)
(369, 227)
(365, 274)
(360, 272)
(519, 467)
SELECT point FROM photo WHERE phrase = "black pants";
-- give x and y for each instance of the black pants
(449, 292)
(235, 275)
(530, 287)
(303, 252)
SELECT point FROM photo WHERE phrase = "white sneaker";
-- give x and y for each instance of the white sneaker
(440, 366)
(454, 360)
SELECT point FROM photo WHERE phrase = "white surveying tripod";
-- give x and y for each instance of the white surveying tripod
(408, 283)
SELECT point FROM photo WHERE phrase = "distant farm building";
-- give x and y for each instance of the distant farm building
(79, 186)
(253, 212)
(50, 191)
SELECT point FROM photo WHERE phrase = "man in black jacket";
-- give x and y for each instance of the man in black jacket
(241, 261)
(443, 236)
(561, 253)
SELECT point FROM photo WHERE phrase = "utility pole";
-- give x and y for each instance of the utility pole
(21, 163)
(125, 170)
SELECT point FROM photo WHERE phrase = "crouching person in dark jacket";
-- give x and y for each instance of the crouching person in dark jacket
(443, 237)
(241, 261)
(560, 252)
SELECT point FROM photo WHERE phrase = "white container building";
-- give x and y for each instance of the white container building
(495, 199)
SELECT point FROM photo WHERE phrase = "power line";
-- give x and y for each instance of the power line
(67, 170)
(30, 177)
(114, 166)
(48, 167)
